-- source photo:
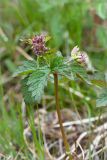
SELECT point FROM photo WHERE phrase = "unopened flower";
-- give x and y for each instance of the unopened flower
(81, 58)
(78, 56)
(39, 44)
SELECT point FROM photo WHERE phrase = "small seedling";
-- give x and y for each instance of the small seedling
(47, 65)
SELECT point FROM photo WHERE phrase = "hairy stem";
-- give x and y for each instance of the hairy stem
(67, 147)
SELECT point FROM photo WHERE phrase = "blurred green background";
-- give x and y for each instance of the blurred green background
(69, 23)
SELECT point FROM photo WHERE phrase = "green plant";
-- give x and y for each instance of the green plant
(49, 64)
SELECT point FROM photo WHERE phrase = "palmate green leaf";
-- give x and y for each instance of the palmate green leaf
(58, 65)
(71, 71)
(37, 82)
(26, 93)
(102, 99)
(26, 68)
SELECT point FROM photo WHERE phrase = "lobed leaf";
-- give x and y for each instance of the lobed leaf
(26, 68)
(56, 62)
(58, 65)
(37, 82)
(26, 93)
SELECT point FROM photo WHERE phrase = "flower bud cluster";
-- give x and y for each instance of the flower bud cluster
(39, 45)
(78, 56)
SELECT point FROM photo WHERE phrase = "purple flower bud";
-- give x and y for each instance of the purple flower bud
(78, 56)
(81, 58)
(38, 45)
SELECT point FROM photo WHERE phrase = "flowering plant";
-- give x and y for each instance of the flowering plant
(37, 72)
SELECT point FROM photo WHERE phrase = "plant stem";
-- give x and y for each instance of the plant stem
(67, 147)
